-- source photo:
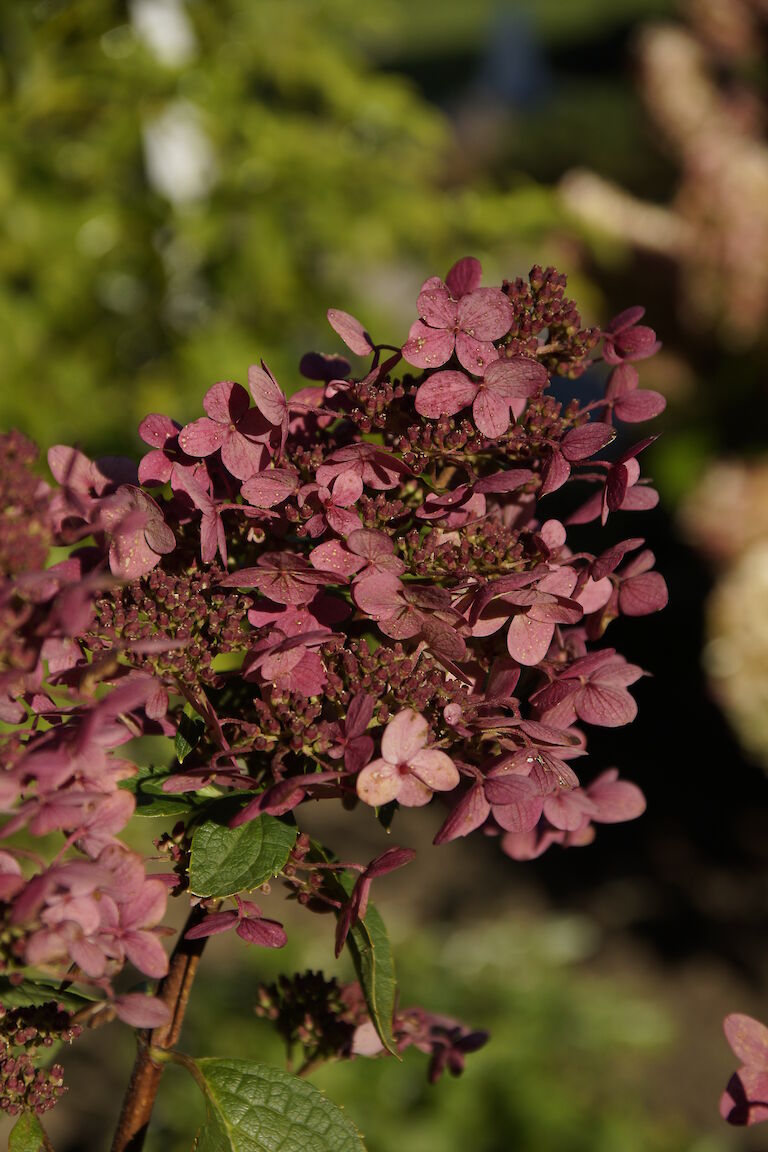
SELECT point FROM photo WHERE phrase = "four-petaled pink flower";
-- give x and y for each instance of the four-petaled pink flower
(139, 533)
(745, 1100)
(625, 339)
(492, 397)
(376, 467)
(592, 689)
(283, 577)
(468, 324)
(231, 426)
(407, 771)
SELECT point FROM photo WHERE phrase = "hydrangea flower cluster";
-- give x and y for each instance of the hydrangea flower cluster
(368, 591)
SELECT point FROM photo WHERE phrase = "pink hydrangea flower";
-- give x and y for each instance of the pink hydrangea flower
(232, 427)
(468, 324)
(503, 382)
(407, 771)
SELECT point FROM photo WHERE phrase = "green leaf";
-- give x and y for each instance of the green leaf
(151, 800)
(253, 1108)
(229, 860)
(27, 1135)
(371, 952)
(188, 736)
(33, 993)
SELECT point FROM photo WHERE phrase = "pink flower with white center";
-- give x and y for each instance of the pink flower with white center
(231, 426)
(504, 382)
(408, 771)
(468, 324)
(625, 339)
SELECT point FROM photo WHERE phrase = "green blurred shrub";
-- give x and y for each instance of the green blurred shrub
(186, 187)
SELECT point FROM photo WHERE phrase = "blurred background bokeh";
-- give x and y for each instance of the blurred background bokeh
(186, 186)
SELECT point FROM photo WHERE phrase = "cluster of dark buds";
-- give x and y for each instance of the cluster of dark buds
(370, 590)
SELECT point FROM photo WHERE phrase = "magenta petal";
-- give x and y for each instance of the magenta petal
(212, 925)
(240, 456)
(389, 861)
(556, 472)
(141, 1011)
(580, 443)
(638, 406)
(351, 331)
(436, 306)
(444, 394)
(516, 379)
(202, 437)
(265, 933)
(491, 414)
(485, 314)
(470, 812)
(464, 276)
(428, 347)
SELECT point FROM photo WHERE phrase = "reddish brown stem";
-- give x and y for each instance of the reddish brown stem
(142, 1088)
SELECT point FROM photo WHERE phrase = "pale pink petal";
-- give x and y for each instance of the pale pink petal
(428, 347)
(485, 313)
(444, 394)
(412, 793)
(378, 783)
(141, 1011)
(435, 769)
(404, 736)
(568, 810)
(748, 1038)
(146, 953)
(528, 640)
(351, 332)
(595, 594)
(616, 800)
(88, 957)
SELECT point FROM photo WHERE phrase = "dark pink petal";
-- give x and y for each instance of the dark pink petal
(748, 1038)
(140, 1011)
(212, 925)
(241, 457)
(639, 498)
(491, 414)
(568, 810)
(267, 395)
(379, 595)
(745, 1100)
(504, 481)
(625, 319)
(271, 487)
(226, 402)
(470, 812)
(589, 510)
(357, 753)
(643, 594)
(556, 472)
(436, 306)
(389, 861)
(155, 429)
(516, 379)
(608, 707)
(635, 344)
(442, 638)
(609, 560)
(580, 443)
(333, 556)
(623, 379)
(464, 277)
(428, 347)
(202, 437)
(616, 487)
(475, 355)
(359, 714)
(485, 314)
(351, 332)
(444, 394)
(347, 489)
(265, 933)
(635, 407)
